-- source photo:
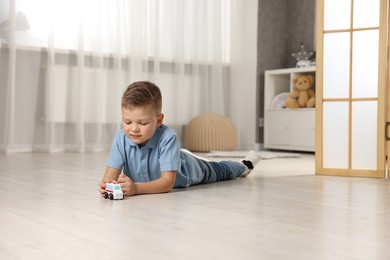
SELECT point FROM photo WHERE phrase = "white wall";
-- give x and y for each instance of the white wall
(243, 74)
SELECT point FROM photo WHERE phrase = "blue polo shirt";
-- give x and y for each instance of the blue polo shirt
(161, 153)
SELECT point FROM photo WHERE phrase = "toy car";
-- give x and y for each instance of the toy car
(113, 192)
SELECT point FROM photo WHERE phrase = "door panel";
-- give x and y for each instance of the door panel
(351, 82)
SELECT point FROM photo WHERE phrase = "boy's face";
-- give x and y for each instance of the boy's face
(140, 123)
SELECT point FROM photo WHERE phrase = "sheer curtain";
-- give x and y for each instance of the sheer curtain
(65, 64)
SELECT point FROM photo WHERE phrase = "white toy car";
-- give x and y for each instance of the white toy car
(113, 192)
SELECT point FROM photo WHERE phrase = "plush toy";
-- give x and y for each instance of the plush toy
(303, 93)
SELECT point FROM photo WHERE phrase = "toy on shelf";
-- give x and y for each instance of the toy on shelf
(303, 94)
(113, 191)
(279, 101)
(303, 57)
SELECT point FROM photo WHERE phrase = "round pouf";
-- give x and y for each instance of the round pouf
(211, 132)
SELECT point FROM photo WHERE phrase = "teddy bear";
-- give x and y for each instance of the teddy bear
(303, 93)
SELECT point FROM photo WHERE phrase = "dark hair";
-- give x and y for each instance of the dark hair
(142, 93)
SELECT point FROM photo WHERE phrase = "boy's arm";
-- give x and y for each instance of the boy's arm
(163, 184)
(110, 175)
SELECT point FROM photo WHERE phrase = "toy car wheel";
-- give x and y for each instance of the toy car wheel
(111, 196)
(106, 195)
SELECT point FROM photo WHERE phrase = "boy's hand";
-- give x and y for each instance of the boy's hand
(111, 175)
(102, 187)
(127, 185)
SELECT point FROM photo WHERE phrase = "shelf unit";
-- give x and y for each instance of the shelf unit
(284, 128)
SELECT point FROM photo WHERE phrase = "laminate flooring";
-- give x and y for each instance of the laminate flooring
(50, 209)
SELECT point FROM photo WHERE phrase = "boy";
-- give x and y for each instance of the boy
(148, 152)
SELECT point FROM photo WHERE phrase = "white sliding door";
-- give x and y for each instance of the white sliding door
(351, 81)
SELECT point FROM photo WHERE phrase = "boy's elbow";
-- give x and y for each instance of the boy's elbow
(169, 188)
(169, 178)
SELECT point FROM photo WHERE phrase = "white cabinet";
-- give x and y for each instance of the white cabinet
(284, 128)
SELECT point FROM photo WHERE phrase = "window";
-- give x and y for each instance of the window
(192, 29)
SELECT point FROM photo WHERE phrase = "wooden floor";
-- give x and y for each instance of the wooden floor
(50, 209)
